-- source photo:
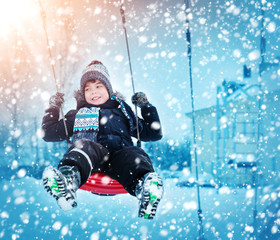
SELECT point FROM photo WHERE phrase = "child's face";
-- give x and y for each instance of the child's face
(96, 93)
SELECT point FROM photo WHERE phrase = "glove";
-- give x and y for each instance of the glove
(56, 100)
(140, 99)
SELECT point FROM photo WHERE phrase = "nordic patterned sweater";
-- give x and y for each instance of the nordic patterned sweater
(115, 125)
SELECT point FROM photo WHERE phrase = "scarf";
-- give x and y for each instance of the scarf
(86, 123)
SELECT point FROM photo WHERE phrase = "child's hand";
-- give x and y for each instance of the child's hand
(140, 99)
(56, 100)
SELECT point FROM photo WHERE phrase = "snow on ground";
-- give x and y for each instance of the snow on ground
(27, 212)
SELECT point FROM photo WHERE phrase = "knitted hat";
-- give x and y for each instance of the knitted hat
(96, 71)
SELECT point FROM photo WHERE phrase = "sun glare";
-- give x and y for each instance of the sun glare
(13, 13)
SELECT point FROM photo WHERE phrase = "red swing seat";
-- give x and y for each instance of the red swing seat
(101, 184)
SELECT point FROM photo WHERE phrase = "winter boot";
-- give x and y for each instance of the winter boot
(149, 191)
(62, 184)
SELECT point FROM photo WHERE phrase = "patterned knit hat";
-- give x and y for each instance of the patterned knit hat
(96, 71)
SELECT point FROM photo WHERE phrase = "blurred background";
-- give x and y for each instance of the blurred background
(234, 67)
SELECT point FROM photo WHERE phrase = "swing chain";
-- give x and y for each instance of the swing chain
(44, 17)
(188, 39)
(131, 73)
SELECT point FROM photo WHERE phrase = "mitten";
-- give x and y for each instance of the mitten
(140, 99)
(56, 100)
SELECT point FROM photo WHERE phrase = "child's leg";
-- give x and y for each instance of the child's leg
(128, 166)
(73, 171)
(87, 156)
(133, 169)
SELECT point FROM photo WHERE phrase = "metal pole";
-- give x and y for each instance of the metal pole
(43, 15)
(218, 136)
(259, 140)
(188, 38)
(131, 73)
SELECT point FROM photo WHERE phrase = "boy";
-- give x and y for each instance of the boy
(101, 128)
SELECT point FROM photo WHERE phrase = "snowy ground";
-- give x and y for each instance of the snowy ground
(27, 212)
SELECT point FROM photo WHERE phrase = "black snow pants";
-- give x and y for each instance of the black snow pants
(127, 165)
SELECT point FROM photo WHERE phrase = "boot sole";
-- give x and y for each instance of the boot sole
(55, 184)
(151, 197)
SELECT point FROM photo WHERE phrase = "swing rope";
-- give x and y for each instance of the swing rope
(131, 73)
(188, 38)
(44, 16)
